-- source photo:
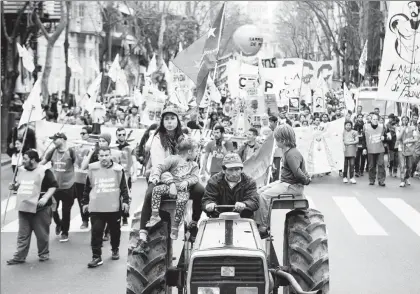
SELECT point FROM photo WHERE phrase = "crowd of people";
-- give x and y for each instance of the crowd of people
(102, 182)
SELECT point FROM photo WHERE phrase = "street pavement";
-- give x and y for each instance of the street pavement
(374, 241)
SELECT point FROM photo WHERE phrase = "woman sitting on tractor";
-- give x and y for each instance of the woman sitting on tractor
(292, 180)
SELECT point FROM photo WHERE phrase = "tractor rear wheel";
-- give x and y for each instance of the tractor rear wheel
(146, 272)
(305, 250)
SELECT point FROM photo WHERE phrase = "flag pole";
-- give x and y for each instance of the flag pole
(16, 169)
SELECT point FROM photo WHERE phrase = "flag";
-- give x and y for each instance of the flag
(74, 65)
(258, 164)
(114, 69)
(211, 46)
(89, 100)
(188, 60)
(152, 66)
(363, 60)
(201, 91)
(121, 85)
(27, 59)
(214, 93)
(32, 109)
(348, 99)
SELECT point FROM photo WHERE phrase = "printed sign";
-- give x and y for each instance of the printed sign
(399, 76)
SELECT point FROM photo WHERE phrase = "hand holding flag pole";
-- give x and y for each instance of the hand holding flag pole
(16, 169)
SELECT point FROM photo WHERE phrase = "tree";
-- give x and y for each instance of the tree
(12, 32)
(51, 39)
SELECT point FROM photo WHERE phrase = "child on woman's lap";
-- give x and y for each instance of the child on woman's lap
(174, 178)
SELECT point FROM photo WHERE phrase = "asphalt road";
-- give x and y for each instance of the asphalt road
(374, 241)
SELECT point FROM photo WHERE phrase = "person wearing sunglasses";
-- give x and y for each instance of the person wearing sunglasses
(128, 160)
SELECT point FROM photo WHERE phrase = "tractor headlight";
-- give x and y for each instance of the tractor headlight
(247, 290)
(208, 290)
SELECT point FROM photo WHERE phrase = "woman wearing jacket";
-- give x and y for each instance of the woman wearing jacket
(405, 136)
(163, 144)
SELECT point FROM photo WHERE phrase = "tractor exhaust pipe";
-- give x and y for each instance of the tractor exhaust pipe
(292, 282)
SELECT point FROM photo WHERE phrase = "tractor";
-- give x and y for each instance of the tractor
(228, 255)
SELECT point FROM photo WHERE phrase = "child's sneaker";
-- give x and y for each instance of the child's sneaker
(353, 181)
(402, 184)
(154, 220)
(174, 233)
(345, 181)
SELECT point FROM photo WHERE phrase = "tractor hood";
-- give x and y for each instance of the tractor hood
(240, 234)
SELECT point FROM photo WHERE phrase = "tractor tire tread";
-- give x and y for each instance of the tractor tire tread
(306, 250)
(146, 274)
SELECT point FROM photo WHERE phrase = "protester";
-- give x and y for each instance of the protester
(293, 176)
(105, 189)
(128, 159)
(231, 186)
(142, 154)
(375, 137)
(350, 140)
(360, 157)
(250, 146)
(62, 161)
(163, 144)
(406, 140)
(183, 174)
(133, 119)
(34, 209)
(416, 153)
(217, 148)
(17, 155)
(391, 141)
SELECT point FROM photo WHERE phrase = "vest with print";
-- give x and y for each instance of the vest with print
(105, 182)
(29, 188)
(63, 169)
(373, 139)
(407, 149)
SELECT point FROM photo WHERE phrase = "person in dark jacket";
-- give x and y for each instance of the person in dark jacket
(391, 139)
(360, 157)
(231, 187)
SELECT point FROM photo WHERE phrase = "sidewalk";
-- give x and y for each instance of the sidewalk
(5, 159)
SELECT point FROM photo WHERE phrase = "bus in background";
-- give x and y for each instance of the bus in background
(367, 98)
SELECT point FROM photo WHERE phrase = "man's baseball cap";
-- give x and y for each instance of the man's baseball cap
(58, 136)
(232, 160)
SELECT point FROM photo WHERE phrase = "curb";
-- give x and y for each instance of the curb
(6, 162)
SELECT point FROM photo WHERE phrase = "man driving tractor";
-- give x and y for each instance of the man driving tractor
(231, 187)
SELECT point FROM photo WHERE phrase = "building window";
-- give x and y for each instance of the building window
(81, 10)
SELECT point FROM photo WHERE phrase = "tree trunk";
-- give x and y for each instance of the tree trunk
(162, 29)
(66, 54)
(46, 73)
(10, 76)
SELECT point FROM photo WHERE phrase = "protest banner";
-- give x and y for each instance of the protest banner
(45, 129)
(399, 76)
(322, 147)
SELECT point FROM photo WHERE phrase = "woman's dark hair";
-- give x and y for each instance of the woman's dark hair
(169, 142)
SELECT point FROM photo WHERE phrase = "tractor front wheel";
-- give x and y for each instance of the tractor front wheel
(305, 250)
(146, 272)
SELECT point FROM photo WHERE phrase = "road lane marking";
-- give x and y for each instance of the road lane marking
(362, 222)
(11, 206)
(407, 214)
